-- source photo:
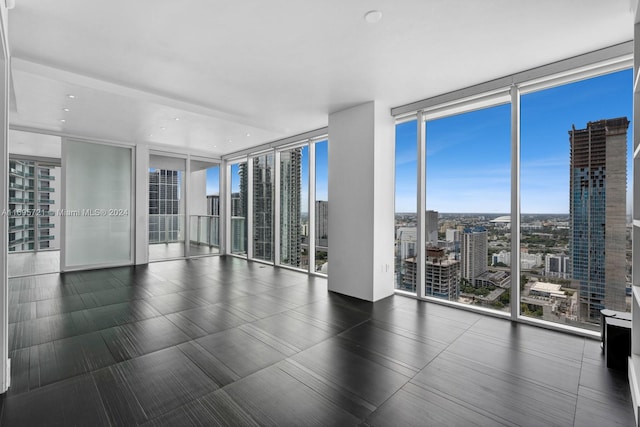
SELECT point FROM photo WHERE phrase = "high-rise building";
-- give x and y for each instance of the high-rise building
(557, 266)
(473, 253)
(164, 205)
(598, 184)
(322, 222)
(31, 218)
(431, 225)
(290, 193)
(239, 213)
(213, 204)
(442, 275)
(263, 181)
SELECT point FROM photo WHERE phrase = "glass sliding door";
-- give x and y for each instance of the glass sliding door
(204, 208)
(97, 205)
(294, 207)
(263, 206)
(166, 207)
(239, 208)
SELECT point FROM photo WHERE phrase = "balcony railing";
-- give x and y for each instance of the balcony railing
(205, 230)
(238, 235)
(166, 228)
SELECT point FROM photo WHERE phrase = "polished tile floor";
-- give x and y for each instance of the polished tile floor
(222, 341)
(29, 263)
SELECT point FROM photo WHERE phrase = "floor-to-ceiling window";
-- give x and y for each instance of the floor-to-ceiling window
(529, 197)
(34, 212)
(576, 203)
(238, 208)
(321, 206)
(405, 205)
(166, 207)
(468, 193)
(204, 207)
(263, 205)
(294, 207)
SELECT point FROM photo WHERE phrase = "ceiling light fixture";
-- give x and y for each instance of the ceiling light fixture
(176, 119)
(373, 16)
(66, 110)
(163, 128)
(63, 121)
(248, 134)
(70, 96)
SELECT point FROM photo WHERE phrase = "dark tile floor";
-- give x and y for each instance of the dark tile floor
(222, 341)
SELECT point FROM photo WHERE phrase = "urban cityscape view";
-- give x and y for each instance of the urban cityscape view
(575, 225)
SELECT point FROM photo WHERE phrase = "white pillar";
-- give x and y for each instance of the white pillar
(5, 366)
(142, 205)
(361, 201)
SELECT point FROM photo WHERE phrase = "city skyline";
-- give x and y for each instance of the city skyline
(469, 154)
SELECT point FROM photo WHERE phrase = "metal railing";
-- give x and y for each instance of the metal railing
(166, 228)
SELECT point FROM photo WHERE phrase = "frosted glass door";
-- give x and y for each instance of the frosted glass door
(97, 210)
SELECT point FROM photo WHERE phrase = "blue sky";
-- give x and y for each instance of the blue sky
(469, 155)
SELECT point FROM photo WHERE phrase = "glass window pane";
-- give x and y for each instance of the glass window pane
(576, 245)
(239, 196)
(263, 207)
(322, 207)
(294, 202)
(204, 200)
(468, 193)
(405, 205)
(166, 188)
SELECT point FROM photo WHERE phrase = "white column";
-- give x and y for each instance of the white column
(361, 201)
(142, 205)
(5, 366)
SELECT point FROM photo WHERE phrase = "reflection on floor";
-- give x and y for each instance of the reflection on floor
(173, 250)
(29, 263)
(160, 251)
(225, 341)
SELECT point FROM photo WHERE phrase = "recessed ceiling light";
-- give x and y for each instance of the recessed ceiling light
(176, 119)
(229, 140)
(163, 128)
(373, 16)
(248, 134)
(66, 110)
(150, 135)
(62, 121)
(70, 96)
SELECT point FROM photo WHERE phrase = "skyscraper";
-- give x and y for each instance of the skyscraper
(322, 222)
(164, 205)
(473, 253)
(263, 177)
(598, 178)
(431, 225)
(290, 193)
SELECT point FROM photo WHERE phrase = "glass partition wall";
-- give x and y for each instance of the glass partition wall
(526, 198)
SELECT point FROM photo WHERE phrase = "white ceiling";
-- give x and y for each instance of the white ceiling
(272, 69)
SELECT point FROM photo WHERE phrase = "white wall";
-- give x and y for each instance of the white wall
(361, 201)
(198, 193)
